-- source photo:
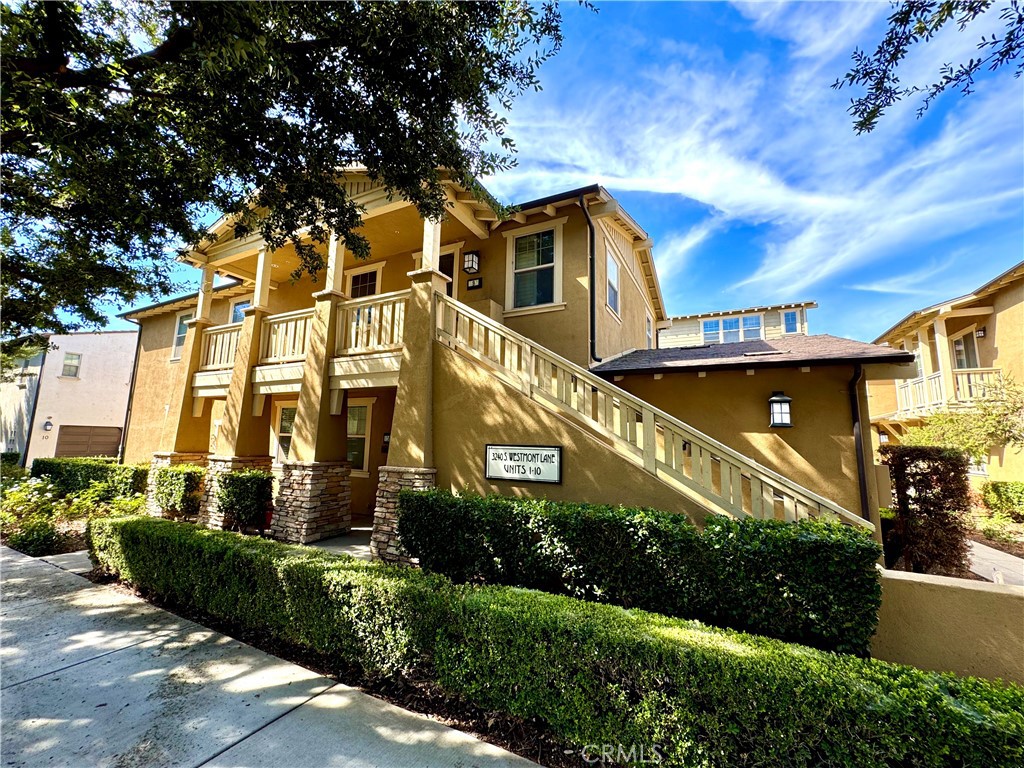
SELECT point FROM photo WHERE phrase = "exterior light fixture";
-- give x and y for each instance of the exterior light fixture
(778, 405)
(980, 333)
(471, 262)
(47, 426)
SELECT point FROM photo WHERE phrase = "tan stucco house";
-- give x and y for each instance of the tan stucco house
(71, 398)
(472, 353)
(961, 347)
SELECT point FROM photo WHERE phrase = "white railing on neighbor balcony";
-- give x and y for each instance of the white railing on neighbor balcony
(284, 337)
(219, 344)
(925, 393)
(972, 383)
(373, 324)
(720, 477)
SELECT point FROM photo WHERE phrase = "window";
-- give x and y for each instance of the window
(789, 322)
(650, 333)
(72, 363)
(359, 419)
(730, 329)
(751, 327)
(711, 331)
(238, 310)
(180, 331)
(364, 281)
(965, 353)
(613, 284)
(534, 270)
(285, 425)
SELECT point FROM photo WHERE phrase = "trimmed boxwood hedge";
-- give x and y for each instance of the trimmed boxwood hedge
(1005, 497)
(177, 489)
(10, 459)
(595, 674)
(812, 582)
(70, 474)
(245, 496)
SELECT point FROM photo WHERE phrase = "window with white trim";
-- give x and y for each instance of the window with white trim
(360, 418)
(751, 327)
(238, 310)
(613, 283)
(711, 331)
(180, 332)
(72, 364)
(728, 330)
(790, 322)
(285, 425)
(533, 270)
(363, 281)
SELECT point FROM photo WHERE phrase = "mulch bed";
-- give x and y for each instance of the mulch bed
(413, 691)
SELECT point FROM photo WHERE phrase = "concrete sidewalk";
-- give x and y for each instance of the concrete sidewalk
(996, 565)
(94, 677)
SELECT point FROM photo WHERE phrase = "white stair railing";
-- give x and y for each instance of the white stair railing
(373, 324)
(722, 479)
(219, 344)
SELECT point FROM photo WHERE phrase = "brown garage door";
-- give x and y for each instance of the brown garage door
(88, 441)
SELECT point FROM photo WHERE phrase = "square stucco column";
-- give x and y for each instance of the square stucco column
(167, 460)
(384, 542)
(243, 432)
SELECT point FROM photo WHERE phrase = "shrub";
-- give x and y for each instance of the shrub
(245, 496)
(178, 488)
(106, 498)
(813, 582)
(36, 536)
(595, 674)
(1005, 497)
(128, 479)
(10, 459)
(932, 504)
(30, 498)
(73, 474)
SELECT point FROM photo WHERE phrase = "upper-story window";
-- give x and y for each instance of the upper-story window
(364, 281)
(72, 364)
(732, 329)
(238, 310)
(790, 322)
(613, 284)
(534, 272)
(180, 332)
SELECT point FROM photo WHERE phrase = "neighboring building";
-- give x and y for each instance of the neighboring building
(452, 342)
(961, 347)
(750, 324)
(71, 398)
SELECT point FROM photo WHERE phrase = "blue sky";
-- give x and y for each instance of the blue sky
(715, 126)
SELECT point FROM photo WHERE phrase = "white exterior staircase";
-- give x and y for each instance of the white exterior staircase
(711, 474)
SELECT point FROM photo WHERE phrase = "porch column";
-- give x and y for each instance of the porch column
(411, 455)
(243, 439)
(945, 361)
(314, 494)
(927, 363)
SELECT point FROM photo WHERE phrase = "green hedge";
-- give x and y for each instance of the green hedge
(245, 496)
(812, 582)
(10, 458)
(177, 489)
(73, 474)
(595, 674)
(1005, 497)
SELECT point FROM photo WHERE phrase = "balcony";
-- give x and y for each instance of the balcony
(927, 394)
(367, 349)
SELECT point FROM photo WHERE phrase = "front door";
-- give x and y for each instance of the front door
(447, 266)
(965, 352)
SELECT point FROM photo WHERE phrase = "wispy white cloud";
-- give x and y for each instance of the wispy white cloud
(919, 282)
(673, 253)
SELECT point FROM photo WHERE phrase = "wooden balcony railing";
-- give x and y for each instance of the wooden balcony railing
(219, 344)
(973, 383)
(373, 324)
(925, 393)
(661, 444)
(285, 337)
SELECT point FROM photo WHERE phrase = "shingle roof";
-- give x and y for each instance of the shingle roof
(787, 352)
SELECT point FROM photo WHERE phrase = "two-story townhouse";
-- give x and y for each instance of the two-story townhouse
(961, 347)
(69, 399)
(459, 354)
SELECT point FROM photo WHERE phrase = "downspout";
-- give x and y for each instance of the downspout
(131, 393)
(35, 405)
(858, 440)
(593, 291)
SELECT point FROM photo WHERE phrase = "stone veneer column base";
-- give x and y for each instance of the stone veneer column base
(210, 513)
(314, 501)
(166, 460)
(384, 543)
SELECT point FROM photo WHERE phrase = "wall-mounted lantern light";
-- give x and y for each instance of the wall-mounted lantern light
(778, 405)
(471, 262)
(47, 426)
(980, 333)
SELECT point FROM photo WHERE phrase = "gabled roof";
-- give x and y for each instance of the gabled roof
(185, 301)
(787, 352)
(920, 316)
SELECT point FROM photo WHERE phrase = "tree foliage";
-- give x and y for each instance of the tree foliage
(996, 419)
(918, 21)
(125, 124)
